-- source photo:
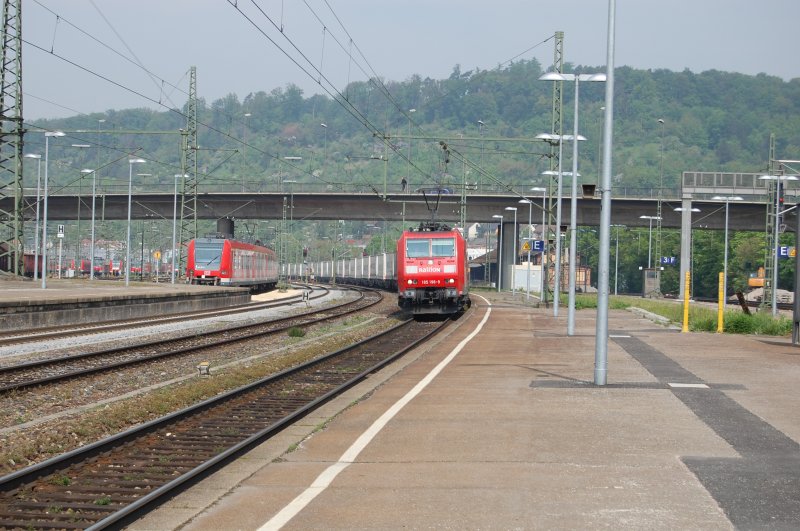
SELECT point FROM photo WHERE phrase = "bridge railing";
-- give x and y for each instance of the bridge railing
(700, 189)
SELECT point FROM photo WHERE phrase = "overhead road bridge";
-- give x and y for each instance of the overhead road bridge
(749, 214)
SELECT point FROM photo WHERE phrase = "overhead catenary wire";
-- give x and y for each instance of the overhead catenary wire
(337, 95)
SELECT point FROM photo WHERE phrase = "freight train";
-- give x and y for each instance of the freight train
(429, 271)
(228, 262)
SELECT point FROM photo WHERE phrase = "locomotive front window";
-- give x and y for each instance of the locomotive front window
(443, 247)
(207, 255)
(418, 248)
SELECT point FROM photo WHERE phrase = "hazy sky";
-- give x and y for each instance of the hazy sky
(394, 40)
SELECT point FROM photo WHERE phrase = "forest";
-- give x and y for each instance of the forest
(380, 131)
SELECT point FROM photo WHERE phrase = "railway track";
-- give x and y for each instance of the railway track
(30, 374)
(58, 332)
(115, 480)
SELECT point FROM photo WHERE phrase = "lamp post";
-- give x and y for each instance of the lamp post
(530, 239)
(560, 177)
(291, 183)
(91, 255)
(38, 159)
(514, 262)
(774, 288)
(573, 244)
(325, 142)
(480, 129)
(616, 258)
(47, 136)
(499, 253)
(247, 116)
(131, 162)
(649, 238)
(542, 294)
(727, 199)
(174, 222)
(601, 323)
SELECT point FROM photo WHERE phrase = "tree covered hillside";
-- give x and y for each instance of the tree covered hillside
(712, 121)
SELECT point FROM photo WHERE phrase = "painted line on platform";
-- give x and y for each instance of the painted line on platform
(327, 476)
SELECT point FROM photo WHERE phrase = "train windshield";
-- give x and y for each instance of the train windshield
(425, 248)
(207, 254)
(443, 247)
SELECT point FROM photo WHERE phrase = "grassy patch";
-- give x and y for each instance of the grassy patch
(296, 332)
(701, 318)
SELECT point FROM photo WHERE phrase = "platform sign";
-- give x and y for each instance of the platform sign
(785, 251)
(669, 260)
(60, 231)
(538, 245)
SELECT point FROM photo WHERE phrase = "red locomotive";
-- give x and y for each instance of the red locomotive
(432, 270)
(227, 262)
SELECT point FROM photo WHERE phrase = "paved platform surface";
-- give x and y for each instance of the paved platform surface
(498, 426)
(67, 290)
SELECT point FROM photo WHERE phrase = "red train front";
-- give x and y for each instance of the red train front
(226, 262)
(432, 275)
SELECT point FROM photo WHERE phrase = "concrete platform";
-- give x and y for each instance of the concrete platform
(498, 426)
(24, 305)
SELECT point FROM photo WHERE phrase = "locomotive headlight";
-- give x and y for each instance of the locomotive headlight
(410, 281)
(451, 281)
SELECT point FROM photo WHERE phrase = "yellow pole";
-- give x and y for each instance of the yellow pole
(686, 295)
(721, 306)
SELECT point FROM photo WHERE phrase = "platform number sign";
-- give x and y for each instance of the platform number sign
(784, 251)
(668, 260)
(538, 245)
(61, 231)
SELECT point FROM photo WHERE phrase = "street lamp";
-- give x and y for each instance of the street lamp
(247, 116)
(91, 256)
(47, 136)
(325, 144)
(774, 288)
(480, 129)
(288, 159)
(131, 162)
(573, 215)
(514, 263)
(36, 235)
(174, 221)
(650, 237)
(727, 199)
(542, 294)
(499, 254)
(559, 177)
(530, 241)
(616, 258)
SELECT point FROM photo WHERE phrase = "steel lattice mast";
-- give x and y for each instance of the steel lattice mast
(557, 129)
(11, 133)
(189, 169)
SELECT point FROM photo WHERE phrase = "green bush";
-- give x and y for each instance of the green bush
(296, 332)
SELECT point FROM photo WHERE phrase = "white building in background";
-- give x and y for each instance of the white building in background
(472, 231)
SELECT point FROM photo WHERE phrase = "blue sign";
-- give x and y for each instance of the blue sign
(785, 251)
(538, 245)
(669, 260)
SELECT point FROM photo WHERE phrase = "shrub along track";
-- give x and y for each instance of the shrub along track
(114, 480)
(15, 377)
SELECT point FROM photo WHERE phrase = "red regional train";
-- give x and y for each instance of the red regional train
(432, 270)
(226, 262)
